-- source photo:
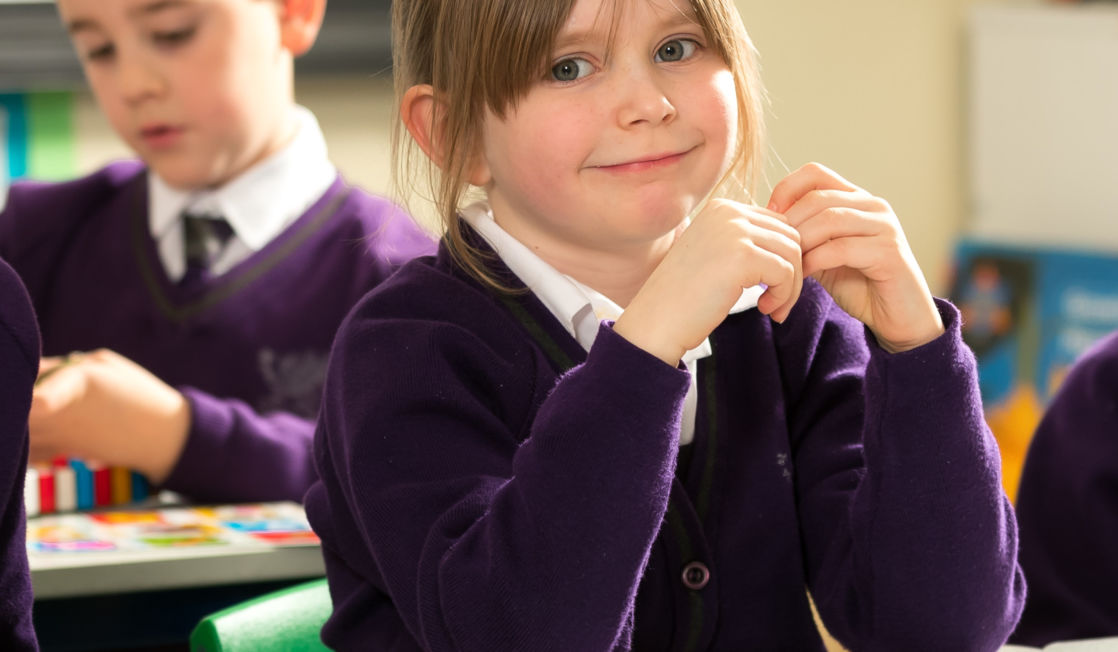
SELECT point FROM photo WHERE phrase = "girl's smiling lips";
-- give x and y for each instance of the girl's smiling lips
(652, 162)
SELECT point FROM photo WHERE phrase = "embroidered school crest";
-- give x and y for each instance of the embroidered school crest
(294, 381)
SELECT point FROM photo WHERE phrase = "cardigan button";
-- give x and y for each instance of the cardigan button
(696, 575)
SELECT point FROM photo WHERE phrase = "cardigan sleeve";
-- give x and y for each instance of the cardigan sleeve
(487, 537)
(909, 540)
(233, 453)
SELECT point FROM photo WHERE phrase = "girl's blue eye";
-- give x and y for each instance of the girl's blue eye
(676, 50)
(569, 70)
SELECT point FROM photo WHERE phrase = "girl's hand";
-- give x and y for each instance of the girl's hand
(854, 246)
(103, 407)
(727, 247)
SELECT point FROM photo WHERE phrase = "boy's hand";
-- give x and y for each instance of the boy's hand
(854, 246)
(103, 407)
(727, 247)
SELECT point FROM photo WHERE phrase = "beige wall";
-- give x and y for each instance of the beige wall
(871, 88)
(875, 90)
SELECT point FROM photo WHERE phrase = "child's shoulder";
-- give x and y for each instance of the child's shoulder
(16, 315)
(11, 289)
(87, 191)
(1098, 366)
(1105, 350)
(378, 219)
(431, 297)
(425, 288)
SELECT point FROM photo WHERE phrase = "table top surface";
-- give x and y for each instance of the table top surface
(169, 547)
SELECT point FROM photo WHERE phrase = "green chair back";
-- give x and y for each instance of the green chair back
(287, 620)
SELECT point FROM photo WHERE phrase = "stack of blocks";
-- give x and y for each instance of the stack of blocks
(69, 485)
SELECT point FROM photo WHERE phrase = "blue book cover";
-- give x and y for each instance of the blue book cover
(1028, 313)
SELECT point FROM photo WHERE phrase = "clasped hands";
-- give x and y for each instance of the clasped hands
(816, 224)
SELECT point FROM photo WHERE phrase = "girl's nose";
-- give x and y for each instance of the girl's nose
(642, 97)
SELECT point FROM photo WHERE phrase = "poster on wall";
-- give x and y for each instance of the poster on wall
(1028, 313)
(4, 174)
(13, 139)
(36, 138)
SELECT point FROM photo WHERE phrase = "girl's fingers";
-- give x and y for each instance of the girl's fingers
(781, 313)
(774, 222)
(865, 254)
(812, 176)
(842, 222)
(49, 365)
(775, 236)
(793, 254)
(818, 201)
(776, 262)
(823, 217)
(741, 246)
(779, 276)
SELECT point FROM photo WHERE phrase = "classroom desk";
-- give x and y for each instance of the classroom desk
(70, 578)
(149, 598)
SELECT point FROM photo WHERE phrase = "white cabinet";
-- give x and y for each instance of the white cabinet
(35, 52)
(1043, 124)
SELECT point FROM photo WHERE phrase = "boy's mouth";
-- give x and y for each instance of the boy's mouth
(160, 135)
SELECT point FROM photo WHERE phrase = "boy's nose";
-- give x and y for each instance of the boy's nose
(642, 98)
(139, 81)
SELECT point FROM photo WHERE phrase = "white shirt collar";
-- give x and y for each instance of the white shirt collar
(577, 307)
(259, 204)
(554, 290)
(580, 308)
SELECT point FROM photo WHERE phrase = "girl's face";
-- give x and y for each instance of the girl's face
(619, 140)
(200, 89)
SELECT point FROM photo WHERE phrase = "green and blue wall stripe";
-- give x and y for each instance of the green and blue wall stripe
(38, 134)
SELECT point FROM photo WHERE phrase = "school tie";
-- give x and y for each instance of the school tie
(204, 238)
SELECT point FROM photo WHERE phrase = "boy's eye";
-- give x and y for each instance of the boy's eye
(676, 50)
(101, 52)
(571, 69)
(173, 38)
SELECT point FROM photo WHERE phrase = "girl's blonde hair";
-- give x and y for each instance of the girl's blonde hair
(481, 55)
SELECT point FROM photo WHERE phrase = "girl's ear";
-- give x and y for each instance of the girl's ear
(300, 21)
(417, 110)
(423, 118)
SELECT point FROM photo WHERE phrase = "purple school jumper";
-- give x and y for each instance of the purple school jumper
(248, 348)
(475, 495)
(1068, 507)
(19, 364)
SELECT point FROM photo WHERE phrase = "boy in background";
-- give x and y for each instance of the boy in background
(191, 297)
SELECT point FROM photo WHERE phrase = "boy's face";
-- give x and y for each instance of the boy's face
(200, 89)
(620, 140)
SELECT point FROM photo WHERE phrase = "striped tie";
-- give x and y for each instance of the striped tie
(204, 238)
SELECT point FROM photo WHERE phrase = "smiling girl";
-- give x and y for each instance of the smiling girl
(625, 407)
